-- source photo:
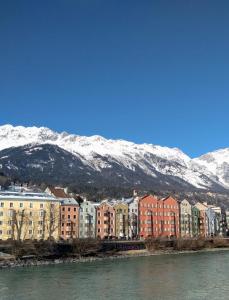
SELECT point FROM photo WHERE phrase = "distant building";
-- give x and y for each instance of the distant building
(69, 219)
(132, 216)
(203, 219)
(28, 215)
(148, 216)
(87, 219)
(219, 221)
(195, 221)
(105, 220)
(227, 222)
(121, 219)
(169, 217)
(57, 192)
(158, 218)
(185, 219)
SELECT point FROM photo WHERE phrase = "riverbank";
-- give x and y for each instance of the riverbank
(121, 255)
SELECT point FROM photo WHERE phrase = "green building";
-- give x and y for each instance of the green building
(195, 221)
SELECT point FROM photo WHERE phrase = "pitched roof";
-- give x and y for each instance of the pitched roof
(58, 192)
(69, 201)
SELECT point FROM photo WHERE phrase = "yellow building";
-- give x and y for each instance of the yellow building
(28, 216)
(121, 219)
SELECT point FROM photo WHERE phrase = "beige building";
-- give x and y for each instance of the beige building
(121, 219)
(27, 215)
(185, 219)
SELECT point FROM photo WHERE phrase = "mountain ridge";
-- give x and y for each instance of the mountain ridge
(103, 157)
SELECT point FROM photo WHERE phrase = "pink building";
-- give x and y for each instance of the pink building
(105, 220)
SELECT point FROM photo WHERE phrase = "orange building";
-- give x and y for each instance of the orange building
(105, 220)
(168, 217)
(158, 218)
(69, 216)
(148, 210)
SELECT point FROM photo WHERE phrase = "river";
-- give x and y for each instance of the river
(176, 277)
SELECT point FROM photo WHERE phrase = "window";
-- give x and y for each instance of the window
(11, 204)
(0, 232)
(0, 222)
(30, 222)
(62, 232)
(1, 213)
(69, 209)
(21, 204)
(31, 205)
(9, 232)
(74, 216)
(2, 204)
(74, 208)
(41, 205)
(62, 216)
(30, 213)
(30, 231)
(63, 208)
(69, 217)
(10, 213)
(40, 222)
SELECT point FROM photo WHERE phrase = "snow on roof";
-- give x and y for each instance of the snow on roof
(69, 201)
(5, 195)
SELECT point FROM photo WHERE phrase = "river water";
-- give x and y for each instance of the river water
(177, 277)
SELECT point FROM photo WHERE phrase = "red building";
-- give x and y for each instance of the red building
(105, 220)
(69, 215)
(169, 215)
(158, 218)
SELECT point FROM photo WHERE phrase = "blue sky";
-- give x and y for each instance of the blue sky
(146, 71)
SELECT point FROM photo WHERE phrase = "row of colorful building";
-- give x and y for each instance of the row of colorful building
(54, 214)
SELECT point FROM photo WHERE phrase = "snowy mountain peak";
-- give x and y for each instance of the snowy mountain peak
(99, 153)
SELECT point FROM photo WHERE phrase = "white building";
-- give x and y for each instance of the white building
(133, 216)
(87, 219)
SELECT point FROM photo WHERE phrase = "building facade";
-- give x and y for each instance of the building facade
(185, 219)
(169, 217)
(203, 220)
(105, 220)
(87, 219)
(195, 221)
(133, 217)
(29, 216)
(148, 216)
(69, 215)
(121, 220)
(158, 218)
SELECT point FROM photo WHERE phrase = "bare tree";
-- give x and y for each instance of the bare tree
(52, 219)
(19, 224)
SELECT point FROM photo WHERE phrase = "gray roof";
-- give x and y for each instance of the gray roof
(69, 201)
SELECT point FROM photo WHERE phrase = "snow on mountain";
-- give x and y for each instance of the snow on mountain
(99, 153)
(215, 163)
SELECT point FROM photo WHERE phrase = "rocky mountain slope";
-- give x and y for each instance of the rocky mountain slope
(40, 154)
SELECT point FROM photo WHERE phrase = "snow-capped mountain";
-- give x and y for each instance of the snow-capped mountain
(216, 163)
(96, 160)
